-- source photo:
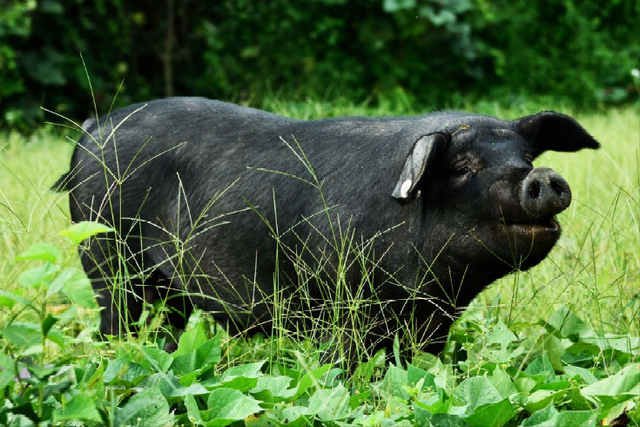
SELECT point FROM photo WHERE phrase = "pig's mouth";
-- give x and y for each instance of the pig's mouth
(544, 226)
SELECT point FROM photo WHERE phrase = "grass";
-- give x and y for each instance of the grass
(593, 273)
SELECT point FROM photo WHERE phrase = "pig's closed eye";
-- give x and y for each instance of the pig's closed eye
(461, 170)
(528, 157)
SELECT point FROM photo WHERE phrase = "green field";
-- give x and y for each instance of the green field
(594, 273)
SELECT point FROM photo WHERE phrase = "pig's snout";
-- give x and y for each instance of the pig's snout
(544, 193)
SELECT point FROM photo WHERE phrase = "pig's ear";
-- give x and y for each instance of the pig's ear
(422, 153)
(553, 131)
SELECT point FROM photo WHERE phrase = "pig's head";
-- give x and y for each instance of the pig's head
(486, 209)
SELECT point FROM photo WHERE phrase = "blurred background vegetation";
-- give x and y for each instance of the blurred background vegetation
(431, 54)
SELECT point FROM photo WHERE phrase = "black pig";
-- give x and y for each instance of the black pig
(231, 209)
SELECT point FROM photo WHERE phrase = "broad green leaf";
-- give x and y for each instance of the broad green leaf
(364, 372)
(553, 350)
(577, 418)
(492, 415)
(426, 409)
(156, 359)
(525, 385)
(193, 412)
(541, 365)
(22, 334)
(273, 388)
(297, 416)
(447, 420)
(227, 405)
(543, 417)
(330, 404)
(77, 288)
(501, 337)
(444, 377)
(83, 230)
(148, 408)
(503, 383)
(357, 399)
(7, 373)
(395, 381)
(47, 324)
(125, 372)
(191, 340)
(541, 398)
(569, 325)
(309, 379)
(476, 392)
(624, 383)
(415, 374)
(248, 370)
(38, 276)
(7, 298)
(623, 343)
(578, 372)
(169, 385)
(81, 407)
(41, 252)
(204, 357)
(549, 416)
(242, 377)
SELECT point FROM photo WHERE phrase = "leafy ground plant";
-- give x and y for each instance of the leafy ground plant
(37, 387)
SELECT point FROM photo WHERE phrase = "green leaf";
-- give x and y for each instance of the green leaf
(22, 334)
(148, 408)
(298, 416)
(122, 371)
(549, 416)
(476, 392)
(624, 383)
(204, 357)
(541, 365)
(444, 377)
(415, 374)
(7, 299)
(155, 359)
(78, 289)
(37, 277)
(248, 370)
(309, 379)
(227, 405)
(492, 415)
(191, 340)
(242, 377)
(273, 388)
(541, 398)
(41, 252)
(330, 404)
(395, 381)
(426, 409)
(501, 334)
(553, 349)
(169, 385)
(578, 372)
(503, 383)
(47, 324)
(569, 325)
(83, 230)
(81, 407)
(542, 417)
(193, 411)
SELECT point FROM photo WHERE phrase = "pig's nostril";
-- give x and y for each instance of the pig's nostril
(534, 189)
(558, 187)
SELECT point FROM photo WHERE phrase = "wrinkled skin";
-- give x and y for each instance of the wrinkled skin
(449, 202)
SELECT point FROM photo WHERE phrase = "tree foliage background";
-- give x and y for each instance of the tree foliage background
(437, 53)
